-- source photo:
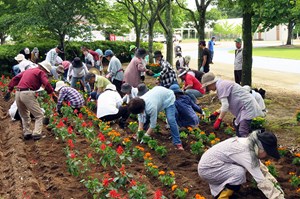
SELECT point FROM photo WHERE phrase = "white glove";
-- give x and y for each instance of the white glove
(270, 191)
(267, 174)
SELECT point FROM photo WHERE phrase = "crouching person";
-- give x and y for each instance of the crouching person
(109, 106)
(68, 94)
(150, 104)
(224, 165)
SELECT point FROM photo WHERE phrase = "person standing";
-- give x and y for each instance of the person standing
(205, 57)
(150, 104)
(99, 63)
(115, 70)
(88, 58)
(238, 61)
(132, 74)
(35, 55)
(225, 164)
(234, 99)
(27, 83)
(211, 45)
(52, 54)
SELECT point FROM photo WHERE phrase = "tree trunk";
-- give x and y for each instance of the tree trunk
(169, 36)
(201, 32)
(290, 33)
(62, 43)
(138, 36)
(150, 41)
(2, 38)
(247, 50)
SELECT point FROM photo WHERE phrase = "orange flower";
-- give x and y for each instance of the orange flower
(198, 196)
(126, 140)
(202, 133)
(140, 148)
(150, 164)
(213, 142)
(147, 155)
(172, 173)
(190, 129)
(154, 167)
(217, 139)
(161, 173)
(185, 190)
(292, 173)
(174, 187)
(297, 155)
(298, 190)
(268, 163)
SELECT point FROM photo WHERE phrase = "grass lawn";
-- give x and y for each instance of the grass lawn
(286, 52)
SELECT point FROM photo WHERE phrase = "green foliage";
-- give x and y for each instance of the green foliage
(197, 148)
(258, 123)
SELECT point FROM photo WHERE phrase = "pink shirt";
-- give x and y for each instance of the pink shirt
(132, 74)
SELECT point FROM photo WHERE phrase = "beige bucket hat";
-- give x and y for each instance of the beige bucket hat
(208, 79)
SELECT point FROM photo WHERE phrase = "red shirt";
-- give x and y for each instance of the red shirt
(95, 55)
(31, 79)
(191, 80)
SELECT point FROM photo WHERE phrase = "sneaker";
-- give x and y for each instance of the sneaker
(179, 147)
(27, 136)
(38, 136)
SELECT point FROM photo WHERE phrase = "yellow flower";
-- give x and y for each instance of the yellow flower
(292, 173)
(161, 173)
(202, 133)
(150, 164)
(268, 163)
(154, 167)
(213, 142)
(172, 173)
(185, 190)
(174, 187)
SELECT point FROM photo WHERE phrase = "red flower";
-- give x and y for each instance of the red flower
(69, 103)
(89, 155)
(55, 114)
(72, 155)
(106, 180)
(3, 77)
(158, 194)
(36, 94)
(110, 145)
(60, 124)
(65, 119)
(114, 194)
(120, 150)
(132, 183)
(90, 124)
(103, 147)
(101, 137)
(75, 111)
(122, 170)
(70, 130)
(70, 143)
(80, 116)
(84, 124)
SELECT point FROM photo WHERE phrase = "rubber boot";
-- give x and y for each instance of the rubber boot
(225, 194)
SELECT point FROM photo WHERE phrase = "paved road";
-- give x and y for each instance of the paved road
(271, 72)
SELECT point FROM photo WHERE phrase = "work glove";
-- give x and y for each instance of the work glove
(270, 190)
(214, 116)
(217, 123)
(7, 96)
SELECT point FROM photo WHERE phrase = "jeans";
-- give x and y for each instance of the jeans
(76, 79)
(170, 113)
(16, 69)
(95, 95)
(193, 94)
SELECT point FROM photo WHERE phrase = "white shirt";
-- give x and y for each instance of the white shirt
(108, 103)
(259, 100)
(51, 56)
(25, 64)
(127, 98)
(77, 72)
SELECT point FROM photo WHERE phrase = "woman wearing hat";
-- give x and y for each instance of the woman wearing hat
(132, 74)
(234, 99)
(77, 71)
(224, 165)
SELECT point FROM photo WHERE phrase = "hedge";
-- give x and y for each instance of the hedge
(72, 49)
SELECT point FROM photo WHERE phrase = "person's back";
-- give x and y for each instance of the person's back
(108, 103)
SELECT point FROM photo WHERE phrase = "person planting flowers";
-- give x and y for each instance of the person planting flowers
(224, 165)
(234, 99)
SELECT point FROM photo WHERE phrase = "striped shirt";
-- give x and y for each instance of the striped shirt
(70, 95)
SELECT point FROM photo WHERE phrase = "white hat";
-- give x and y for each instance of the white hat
(111, 87)
(20, 57)
(59, 84)
(208, 79)
(182, 73)
(27, 51)
(46, 65)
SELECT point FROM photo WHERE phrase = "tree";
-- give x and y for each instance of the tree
(135, 9)
(273, 13)
(199, 19)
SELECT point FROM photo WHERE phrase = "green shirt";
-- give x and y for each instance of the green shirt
(101, 82)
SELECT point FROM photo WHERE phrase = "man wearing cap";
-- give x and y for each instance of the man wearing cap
(192, 86)
(24, 64)
(206, 57)
(167, 75)
(53, 53)
(26, 84)
(150, 104)
(224, 165)
(115, 70)
(77, 72)
(185, 108)
(109, 106)
(238, 61)
(68, 94)
(132, 74)
(129, 91)
(234, 99)
(99, 83)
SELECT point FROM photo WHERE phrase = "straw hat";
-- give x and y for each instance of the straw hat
(208, 79)
(20, 57)
(46, 65)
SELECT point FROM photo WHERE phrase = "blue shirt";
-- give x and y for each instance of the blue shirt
(185, 114)
(211, 44)
(156, 100)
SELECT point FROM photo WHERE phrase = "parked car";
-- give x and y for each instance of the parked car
(159, 38)
(177, 38)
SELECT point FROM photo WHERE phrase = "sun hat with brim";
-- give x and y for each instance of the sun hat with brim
(182, 73)
(77, 63)
(142, 89)
(59, 85)
(111, 87)
(126, 88)
(60, 69)
(20, 57)
(238, 40)
(108, 53)
(208, 79)
(175, 88)
(46, 65)
(269, 143)
(131, 47)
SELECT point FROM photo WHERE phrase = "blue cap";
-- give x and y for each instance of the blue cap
(108, 53)
(99, 52)
(175, 88)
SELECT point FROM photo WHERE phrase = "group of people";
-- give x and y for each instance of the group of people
(120, 93)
